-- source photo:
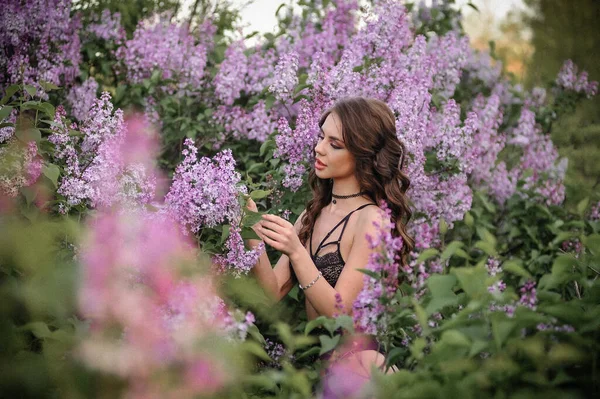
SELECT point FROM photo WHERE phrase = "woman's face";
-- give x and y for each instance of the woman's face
(333, 160)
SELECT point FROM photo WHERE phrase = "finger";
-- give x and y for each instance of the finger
(271, 242)
(272, 226)
(271, 234)
(275, 219)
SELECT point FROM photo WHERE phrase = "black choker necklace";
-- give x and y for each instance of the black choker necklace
(335, 196)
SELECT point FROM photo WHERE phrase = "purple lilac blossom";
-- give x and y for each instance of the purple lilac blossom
(370, 309)
(107, 26)
(256, 124)
(98, 171)
(204, 191)
(238, 260)
(166, 47)
(528, 295)
(595, 212)
(569, 79)
(39, 41)
(286, 77)
(82, 98)
(7, 132)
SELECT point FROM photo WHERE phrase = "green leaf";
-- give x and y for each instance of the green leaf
(31, 90)
(269, 101)
(52, 172)
(515, 267)
(38, 328)
(441, 288)
(486, 247)
(10, 91)
(344, 321)
(562, 271)
(225, 233)
(370, 273)
(427, 254)
(27, 135)
(29, 193)
(257, 350)
(258, 194)
(266, 145)
(468, 219)
(451, 249)
(582, 206)
(5, 112)
(592, 242)
(47, 86)
(311, 325)
(251, 218)
(328, 343)
(472, 280)
(455, 338)
(501, 328)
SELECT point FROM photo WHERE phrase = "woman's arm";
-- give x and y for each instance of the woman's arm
(321, 295)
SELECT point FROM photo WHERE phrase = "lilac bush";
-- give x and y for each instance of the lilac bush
(39, 41)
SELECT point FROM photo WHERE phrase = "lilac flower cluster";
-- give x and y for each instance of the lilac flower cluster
(296, 146)
(8, 131)
(130, 282)
(555, 328)
(238, 261)
(82, 99)
(569, 79)
(107, 26)
(20, 166)
(370, 309)
(574, 245)
(286, 77)
(204, 191)
(595, 212)
(99, 170)
(256, 124)
(39, 41)
(276, 352)
(166, 47)
(493, 266)
(528, 295)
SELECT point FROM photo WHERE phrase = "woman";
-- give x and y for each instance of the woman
(358, 162)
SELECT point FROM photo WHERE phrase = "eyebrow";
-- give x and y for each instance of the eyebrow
(330, 136)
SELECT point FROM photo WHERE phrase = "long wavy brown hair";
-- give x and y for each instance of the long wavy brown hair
(369, 132)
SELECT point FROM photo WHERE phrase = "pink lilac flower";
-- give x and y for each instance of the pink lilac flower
(166, 47)
(528, 295)
(131, 284)
(568, 78)
(238, 260)
(204, 191)
(370, 309)
(39, 41)
(82, 98)
(497, 288)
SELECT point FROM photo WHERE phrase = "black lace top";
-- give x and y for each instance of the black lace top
(332, 263)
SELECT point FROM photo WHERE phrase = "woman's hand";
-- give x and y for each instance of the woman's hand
(279, 233)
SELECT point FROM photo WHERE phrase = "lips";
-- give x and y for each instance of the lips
(319, 165)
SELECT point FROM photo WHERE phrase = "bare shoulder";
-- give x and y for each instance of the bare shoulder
(367, 217)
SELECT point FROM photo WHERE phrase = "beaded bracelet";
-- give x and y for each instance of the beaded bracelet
(311, 283)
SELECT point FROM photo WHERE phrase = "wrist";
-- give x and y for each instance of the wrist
(296, 255)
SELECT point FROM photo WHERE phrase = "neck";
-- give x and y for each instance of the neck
(347, 186)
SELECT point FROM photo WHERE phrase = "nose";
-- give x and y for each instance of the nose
(319, 148)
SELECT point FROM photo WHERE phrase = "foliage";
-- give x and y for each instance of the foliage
(119, 280)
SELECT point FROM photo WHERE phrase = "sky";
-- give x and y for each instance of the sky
(260, 15)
